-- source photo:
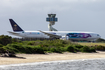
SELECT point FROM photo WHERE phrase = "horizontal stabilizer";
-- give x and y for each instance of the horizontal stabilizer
(13, 33)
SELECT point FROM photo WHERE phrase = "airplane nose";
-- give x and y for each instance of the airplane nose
(99, 36)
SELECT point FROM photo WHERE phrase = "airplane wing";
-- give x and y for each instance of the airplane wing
(51, 35)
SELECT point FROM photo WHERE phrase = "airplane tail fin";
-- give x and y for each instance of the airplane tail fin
(14, 25)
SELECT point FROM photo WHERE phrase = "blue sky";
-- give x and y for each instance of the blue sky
(73, 15)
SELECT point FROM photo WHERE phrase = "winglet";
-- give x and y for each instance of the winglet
(14, 25)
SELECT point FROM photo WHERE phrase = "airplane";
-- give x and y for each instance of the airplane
(68, 35)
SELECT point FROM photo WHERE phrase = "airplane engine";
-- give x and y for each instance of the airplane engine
(64, 38)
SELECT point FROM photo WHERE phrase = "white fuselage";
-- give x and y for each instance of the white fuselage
(73, 35)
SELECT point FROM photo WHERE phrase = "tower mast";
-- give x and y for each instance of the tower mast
(51, 19)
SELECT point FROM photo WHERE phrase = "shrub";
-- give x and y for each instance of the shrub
(59, 50)
(10, 49)
(100, 40)
(31, 43)
(85, 49)
(16, 40)
(92, 49)
(38, 49)
(100, 48)
(1, 45)
(27, 49)
(17, 48)
(57, 44)
(45, 48)
(78, 46)
(53, 49)
(63, 49)
(5, 39)
(70, 48)
(56, 49)
(2, 50)
(39, 46)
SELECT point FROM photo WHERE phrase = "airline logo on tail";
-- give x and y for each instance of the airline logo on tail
(15, 27)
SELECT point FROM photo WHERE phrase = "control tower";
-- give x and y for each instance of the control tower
(51, 19)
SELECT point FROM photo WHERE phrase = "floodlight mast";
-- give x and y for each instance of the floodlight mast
(51, 19)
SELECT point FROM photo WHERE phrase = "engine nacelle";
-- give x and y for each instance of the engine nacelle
(64, 38)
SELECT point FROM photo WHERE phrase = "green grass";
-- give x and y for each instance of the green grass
(92, 44)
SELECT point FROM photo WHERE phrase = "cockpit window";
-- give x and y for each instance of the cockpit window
(98, 35)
